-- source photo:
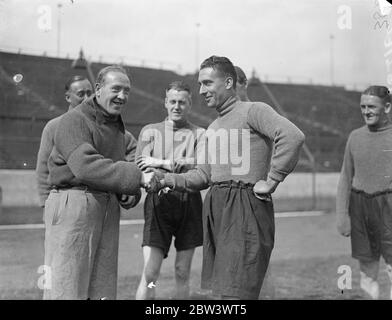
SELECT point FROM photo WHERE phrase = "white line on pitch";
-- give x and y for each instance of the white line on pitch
(292, 214)
(42, 226)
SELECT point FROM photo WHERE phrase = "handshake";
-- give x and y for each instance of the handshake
(152, 180)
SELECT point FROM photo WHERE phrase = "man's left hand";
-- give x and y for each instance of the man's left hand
(145, 162)
(129, 201)
(263, 189)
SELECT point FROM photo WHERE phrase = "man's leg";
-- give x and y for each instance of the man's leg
(103, 282)
(182, 272)
(71, 240)
(268, 287)
(389, 272)
(369, 274)
(153, 258)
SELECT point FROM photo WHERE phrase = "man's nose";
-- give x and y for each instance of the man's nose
(121, 95)
(367, 110)
(202, 89)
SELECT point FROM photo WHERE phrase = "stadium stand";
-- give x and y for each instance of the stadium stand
(325, 114)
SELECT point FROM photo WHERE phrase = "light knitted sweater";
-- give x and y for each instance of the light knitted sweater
(239, 146)
(367, 164)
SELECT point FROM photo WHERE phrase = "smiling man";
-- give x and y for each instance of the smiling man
(87, 168)
(169, 146)
(238, 216)
(364, 197)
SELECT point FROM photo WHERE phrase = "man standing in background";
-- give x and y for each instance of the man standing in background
(364, 196)
(170, 146)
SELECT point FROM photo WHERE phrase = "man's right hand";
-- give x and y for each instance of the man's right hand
(152, 180)
(344, 224)
(157, 182)
(146, 178)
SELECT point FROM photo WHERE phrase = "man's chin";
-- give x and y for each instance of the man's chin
(370, 122)
(115, 110)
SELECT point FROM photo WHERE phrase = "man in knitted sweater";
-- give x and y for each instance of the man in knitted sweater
(238, 215)
(87, 168)
(364, 196)
(77, 89)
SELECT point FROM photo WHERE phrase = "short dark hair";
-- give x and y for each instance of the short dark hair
(73, 79)
(379, 91)
(179, 86)
(104, 71)
(221, 64)
(241, 76)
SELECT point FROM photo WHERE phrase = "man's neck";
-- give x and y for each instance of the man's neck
(382, 126)
(178, 123)
(105, 113)
(225, 107)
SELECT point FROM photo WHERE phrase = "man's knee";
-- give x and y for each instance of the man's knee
(182, 271)
(389, 271)
(151, 274)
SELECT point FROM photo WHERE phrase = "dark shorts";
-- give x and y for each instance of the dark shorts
(371, 225)
(177, 214)
(239, 232)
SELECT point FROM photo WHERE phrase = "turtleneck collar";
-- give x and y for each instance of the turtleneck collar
(373, 130)
(102, 116)
(227, 106)
(175, 125)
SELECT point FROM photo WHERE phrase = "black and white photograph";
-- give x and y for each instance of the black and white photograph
(195, 150)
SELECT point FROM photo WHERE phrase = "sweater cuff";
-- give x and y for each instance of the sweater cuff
(277, 176)
(169, 181)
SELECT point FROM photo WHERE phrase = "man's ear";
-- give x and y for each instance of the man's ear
(387, 107)
(67, 98)
(97, 90)
(229, 83)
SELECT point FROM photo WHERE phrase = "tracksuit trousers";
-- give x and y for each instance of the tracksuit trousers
(81, 244)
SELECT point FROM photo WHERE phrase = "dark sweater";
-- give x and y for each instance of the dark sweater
(46, 146)
(250, 129)
(89, 149)
(367, 164)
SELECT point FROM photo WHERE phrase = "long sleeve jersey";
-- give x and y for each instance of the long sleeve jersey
(367, 164)
(239, 146)
(176, 142)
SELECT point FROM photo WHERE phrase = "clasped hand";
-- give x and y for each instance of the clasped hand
(152, 180)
